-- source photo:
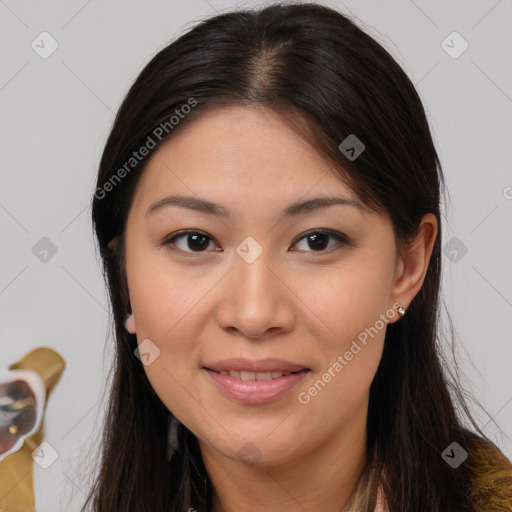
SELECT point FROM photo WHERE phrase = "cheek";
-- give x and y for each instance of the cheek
(350, 310)
(346, 301)
(164, 296)
(169, 307)
(166, 315)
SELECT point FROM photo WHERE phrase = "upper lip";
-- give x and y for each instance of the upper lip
(261, 365)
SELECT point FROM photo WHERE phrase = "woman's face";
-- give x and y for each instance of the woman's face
(256, 278)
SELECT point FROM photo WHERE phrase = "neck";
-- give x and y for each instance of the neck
(324, 476)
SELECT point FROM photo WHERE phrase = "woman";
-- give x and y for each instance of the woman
(268, 214)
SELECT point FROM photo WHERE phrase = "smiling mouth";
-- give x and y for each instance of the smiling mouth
(245, 376)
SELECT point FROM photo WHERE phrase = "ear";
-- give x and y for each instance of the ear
(112, 245)
(129, 324)
(413, 263)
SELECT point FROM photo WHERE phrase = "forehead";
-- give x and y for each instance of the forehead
(239, 154)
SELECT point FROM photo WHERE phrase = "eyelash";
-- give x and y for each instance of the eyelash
(340, 237)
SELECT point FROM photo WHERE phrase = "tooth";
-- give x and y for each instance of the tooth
(243, 375)
(264, 376)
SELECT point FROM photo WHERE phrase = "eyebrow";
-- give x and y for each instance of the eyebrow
(292, 210)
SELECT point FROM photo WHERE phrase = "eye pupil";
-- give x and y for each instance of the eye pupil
(320, 241)
(197, 242)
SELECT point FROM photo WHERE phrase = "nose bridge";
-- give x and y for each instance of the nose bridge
(255, 301)
(254, 279)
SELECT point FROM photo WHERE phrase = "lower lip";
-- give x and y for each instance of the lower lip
(256, 391)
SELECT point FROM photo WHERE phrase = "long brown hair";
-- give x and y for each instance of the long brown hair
(328, 79)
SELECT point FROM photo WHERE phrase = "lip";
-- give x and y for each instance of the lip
(261, 365)
(256, 391)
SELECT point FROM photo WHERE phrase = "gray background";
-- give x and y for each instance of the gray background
(56, 114)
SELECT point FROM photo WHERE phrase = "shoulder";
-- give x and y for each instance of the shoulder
(490, 474)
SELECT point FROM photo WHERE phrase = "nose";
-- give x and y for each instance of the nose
(256, 300)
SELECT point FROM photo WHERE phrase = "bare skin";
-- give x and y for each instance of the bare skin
(201, 304)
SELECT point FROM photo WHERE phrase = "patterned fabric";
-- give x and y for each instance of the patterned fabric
(491, 475)
(492, 479)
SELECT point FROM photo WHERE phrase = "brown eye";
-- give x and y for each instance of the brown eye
(199, 242)
(318, 241)
(190, 241)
